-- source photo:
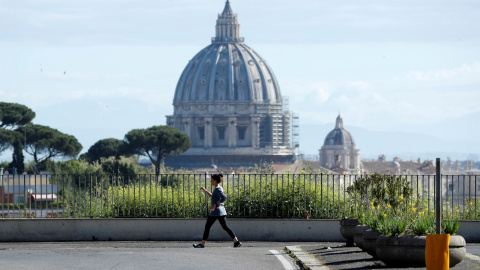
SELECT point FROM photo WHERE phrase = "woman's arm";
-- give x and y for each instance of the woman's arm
(206, 191)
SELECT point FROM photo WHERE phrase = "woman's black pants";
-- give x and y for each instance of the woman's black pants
(223, 222)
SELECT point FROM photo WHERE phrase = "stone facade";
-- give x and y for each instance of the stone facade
(229, 103)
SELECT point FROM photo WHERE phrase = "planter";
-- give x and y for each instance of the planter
(347, 226)
(358, 235)
(456, 249)
(410, 250)
(370, 242)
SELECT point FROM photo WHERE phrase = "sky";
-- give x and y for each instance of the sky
(403, 74)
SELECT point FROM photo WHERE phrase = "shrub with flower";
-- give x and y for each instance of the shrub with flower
(451, 219)
(422, 222)
(381, 200)
(388, 204)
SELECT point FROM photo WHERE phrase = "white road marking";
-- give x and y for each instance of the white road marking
(286, 264)
(472, 257)
(308, 260)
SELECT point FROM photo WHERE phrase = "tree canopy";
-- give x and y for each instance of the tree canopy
(43, 143)
(157, 142)
(13, 115)
(7, 138)
(107, 148)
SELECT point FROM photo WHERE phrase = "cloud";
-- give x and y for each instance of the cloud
(89, 76)
(464, 71)
(359, 85)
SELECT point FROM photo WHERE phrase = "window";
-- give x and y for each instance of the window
(241, 133)
(201, 133)
(221, 133)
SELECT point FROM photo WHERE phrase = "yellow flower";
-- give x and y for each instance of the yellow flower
(385, 215)
(400, 198)
(388, 205)
(414, 209)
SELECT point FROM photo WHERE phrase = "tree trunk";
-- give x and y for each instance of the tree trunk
(17, 158)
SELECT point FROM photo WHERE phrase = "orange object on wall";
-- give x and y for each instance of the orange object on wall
(436, 252)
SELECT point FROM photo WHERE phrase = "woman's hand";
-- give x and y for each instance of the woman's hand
(206, 191)
(212, 208)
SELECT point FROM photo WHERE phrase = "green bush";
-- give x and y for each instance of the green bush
(253, 196)
(424, 224)
(393, 225)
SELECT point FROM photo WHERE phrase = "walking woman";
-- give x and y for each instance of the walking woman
(217, 211)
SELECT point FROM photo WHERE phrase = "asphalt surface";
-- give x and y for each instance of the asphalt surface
(335, 255)
(144, 255)
(181, 255)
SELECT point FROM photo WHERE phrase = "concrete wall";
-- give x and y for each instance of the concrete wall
(301, 230)
(166, 229)
(470, 230)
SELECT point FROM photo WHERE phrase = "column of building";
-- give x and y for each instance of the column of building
(232, 132)
(255, 129)
(208, 132)
(187, 122)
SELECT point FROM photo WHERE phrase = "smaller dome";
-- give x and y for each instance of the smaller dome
(339, 136)
(395, 164)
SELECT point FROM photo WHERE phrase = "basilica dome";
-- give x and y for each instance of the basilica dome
(227, 71)
(228, 101)
(339, 136)
(339, 152)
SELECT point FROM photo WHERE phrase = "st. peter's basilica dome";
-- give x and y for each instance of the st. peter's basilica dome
(229, 103)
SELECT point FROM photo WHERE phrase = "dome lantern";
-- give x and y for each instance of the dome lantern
(339, 123)
(227, 28)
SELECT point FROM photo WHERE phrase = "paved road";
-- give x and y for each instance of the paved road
(143, 255)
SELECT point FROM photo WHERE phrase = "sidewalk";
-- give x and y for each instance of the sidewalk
(335, 255)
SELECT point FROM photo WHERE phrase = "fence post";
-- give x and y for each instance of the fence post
(206, 197)
(438, 197)
(90, 186)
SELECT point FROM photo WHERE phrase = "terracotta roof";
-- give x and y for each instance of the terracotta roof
(410, 167)
(309, 166)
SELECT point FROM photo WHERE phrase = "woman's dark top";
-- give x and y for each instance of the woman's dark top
(218, 195)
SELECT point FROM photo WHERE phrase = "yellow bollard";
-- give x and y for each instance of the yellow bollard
(436, 252)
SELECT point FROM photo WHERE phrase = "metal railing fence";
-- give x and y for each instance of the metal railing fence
(316, 196)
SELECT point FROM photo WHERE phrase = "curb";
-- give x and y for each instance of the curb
(307, 261)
